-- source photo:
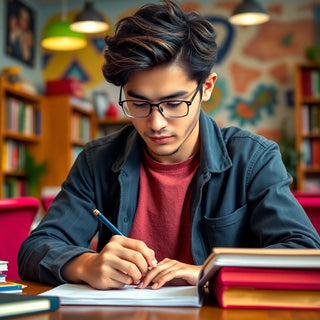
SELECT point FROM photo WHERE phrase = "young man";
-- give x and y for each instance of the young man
(174, 183)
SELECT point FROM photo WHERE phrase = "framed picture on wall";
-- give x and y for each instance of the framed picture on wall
(19, 31)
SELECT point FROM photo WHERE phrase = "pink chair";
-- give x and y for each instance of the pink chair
(310, 202)
(16, 218)
(46, 201)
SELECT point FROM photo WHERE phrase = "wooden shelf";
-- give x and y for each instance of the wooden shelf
(109, 125)
(113, 121)
(20, 131)
(63, 137)
(307, 109)
(18, 136)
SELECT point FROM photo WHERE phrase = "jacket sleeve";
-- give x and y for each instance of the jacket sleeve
(277, 218)
(65, 231)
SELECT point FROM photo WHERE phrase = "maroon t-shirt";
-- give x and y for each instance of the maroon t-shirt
(162, 218)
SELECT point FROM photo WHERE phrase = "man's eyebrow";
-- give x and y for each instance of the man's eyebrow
(174, 95)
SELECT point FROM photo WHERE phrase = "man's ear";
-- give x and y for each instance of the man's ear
(208, 86)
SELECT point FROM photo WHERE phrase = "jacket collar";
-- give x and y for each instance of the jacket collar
(214, 154)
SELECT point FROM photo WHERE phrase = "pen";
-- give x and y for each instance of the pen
(106, 222)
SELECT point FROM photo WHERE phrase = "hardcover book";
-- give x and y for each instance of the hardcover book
(264, 278)
(257, 298)
(17, 304)
(269, 278)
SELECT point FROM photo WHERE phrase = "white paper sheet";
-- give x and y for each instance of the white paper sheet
(81, 294)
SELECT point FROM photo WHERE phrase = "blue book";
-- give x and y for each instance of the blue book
(10, 287)
(2, 277)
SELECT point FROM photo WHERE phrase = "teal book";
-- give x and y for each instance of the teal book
(17, 304)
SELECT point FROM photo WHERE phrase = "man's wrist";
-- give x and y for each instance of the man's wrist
(74, 270)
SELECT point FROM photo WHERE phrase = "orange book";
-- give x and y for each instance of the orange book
(252, 298)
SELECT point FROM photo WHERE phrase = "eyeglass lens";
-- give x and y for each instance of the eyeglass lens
(140, 109)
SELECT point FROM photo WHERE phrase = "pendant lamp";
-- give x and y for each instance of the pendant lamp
(249, 12)
(59, 37)
(89, 20)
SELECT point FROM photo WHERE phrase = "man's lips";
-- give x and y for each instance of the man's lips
(160, 139)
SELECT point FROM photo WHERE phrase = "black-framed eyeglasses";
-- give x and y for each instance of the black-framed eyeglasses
(167, 108)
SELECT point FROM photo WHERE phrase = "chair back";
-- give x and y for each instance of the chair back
(310, 202)
(16, 218)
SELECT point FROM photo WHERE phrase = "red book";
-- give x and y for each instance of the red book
(241, 287)
(315, 150)
(306, 83)
(269, 278)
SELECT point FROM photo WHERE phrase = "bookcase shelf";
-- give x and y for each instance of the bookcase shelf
(307, 106)
(109, 125)
(69, 124)
(20, 131)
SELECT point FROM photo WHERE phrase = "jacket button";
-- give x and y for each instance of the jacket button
(125, 219)
(207, 175)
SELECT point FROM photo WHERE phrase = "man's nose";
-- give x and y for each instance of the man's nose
(156, 119)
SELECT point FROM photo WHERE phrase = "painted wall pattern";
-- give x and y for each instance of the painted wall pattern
(255, 65)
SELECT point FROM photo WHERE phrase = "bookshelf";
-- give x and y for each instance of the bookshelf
(69, 124)
(307, 100)
(109, 125)
(20, 131)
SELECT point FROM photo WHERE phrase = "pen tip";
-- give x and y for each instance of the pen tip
(96, 211)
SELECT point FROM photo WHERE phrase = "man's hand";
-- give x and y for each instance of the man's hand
(171, 272)
(122, 261)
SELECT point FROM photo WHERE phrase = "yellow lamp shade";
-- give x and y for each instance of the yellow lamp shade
(89, 20)
(249, 12)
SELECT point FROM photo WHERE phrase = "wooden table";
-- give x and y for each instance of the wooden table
(210, 310)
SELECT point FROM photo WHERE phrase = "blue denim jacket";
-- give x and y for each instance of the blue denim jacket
(241, 198)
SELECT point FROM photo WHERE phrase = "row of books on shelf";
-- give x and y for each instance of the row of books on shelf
(22, 117)
(310, 119)
(80, 128)
(13, 155)
(310, 82)
(81, 103)
(311, 152)
(312, 184)
(15, 187)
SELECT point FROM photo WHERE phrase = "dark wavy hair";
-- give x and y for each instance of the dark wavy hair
(158, 35)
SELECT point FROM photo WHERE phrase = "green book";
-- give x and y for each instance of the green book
(17, 304)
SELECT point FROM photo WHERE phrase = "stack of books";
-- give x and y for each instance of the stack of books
(264, 278)
(13, 303)
(3, 268)
(7, 286)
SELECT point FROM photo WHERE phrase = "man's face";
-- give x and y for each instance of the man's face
(168, 140)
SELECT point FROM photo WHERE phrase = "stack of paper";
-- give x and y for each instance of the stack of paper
(74, 294)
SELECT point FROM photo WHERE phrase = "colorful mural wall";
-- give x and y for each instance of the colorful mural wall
(255, 64)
